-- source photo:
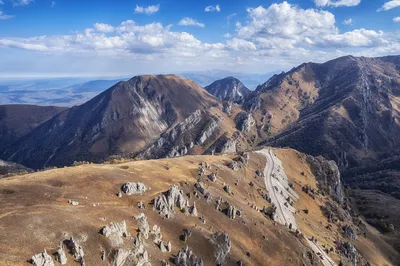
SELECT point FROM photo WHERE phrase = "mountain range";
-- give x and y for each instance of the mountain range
(346, 110)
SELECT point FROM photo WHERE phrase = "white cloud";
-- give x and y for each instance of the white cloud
(348, 21)
(337, 3)
(1, 2)
(102, 27)
(278, 36)
(53, 4)
(212, 8)
(147, 10)
(22, 2)
(396, 19)
(241, 45)
(389, 5)
(4, 16)
(190, 22)
(287, 21)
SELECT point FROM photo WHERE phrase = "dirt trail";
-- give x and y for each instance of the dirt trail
(278, 188)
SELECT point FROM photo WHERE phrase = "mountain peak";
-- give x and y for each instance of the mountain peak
(228, 89)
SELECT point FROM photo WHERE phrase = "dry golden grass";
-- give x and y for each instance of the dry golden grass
(35, 213)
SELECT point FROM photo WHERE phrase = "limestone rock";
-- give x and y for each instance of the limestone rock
(212, 177)
(185, 257)
(75, 249)
(164, 204)
(42, 259)
(227, 189)
(222, 244)
(244, 122)
(60, 256)
(156, 233)
(115, 232)
(234, 166)
(73, 203)
(227, 107)
(133, 188)
(143, 224)
(193, 210)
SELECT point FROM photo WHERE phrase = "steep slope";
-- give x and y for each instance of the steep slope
(123, 119)
(228, 89)
(18, 120)
(10, 168)
(227, 225)
(347, 110)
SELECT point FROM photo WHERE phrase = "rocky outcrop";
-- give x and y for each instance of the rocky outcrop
(245, 122)
(115, 232)
(328, 176)
(133, 188)
(76, 250)
(222, 244)
(199, 128)
(185, 257)
(165, 203)
(227, 107)
(60, 256)
(143, 225)
(42, 259)
(137, 255)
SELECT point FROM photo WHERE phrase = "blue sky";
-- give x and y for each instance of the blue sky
(116, 37)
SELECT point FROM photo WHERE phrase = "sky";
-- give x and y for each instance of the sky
(45, 38)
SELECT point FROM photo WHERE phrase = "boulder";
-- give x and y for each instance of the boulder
(143, 225)
(222, 244)
(42, 259)
(60, 256)
(75, 249)
(212, 177)
(133, 188)
(165, 203)
(115, 232)
(156, 233)
(193, 210)
(185, 257)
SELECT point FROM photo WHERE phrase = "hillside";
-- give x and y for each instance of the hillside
(228, 89)
(124, 119)
(347, 110)
(80, 201)
(18, 120)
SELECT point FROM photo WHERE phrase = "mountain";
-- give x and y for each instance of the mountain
(204, 78)
(347, 110)
(228, 89)
(10, 168)
(17, 121)
(169, 210)
(123, 119)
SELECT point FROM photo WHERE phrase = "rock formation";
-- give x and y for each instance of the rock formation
(143, 225)
(185, 257)
(133, 188)
(222, 244)
(115, 232)
(42, 259)
(60, 256)
(165, 203)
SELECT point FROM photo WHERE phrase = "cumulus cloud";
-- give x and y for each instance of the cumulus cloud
(337, 3)
(396, 19)
(147, 10)
(190, 22)
(4, 16)
(102, 27)
(212, 8)
(389, 5)
(1, 2)
(282, 33)
(22, 2)
(348, 21)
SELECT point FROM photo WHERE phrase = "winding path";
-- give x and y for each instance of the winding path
(278, 188)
